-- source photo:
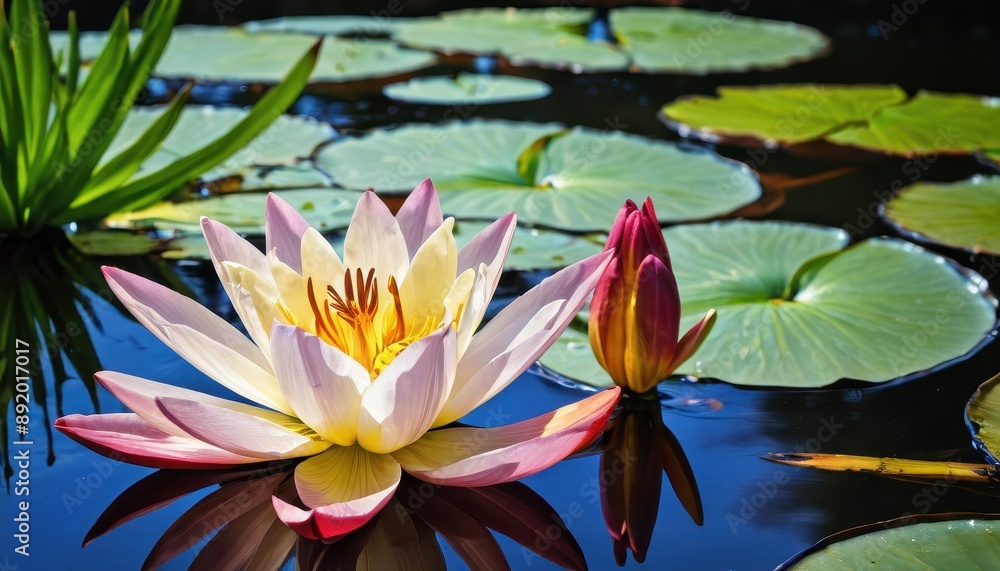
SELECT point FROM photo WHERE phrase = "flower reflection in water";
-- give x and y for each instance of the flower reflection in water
(249, 535)
(636, 449)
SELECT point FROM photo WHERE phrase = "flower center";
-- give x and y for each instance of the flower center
(354, 320)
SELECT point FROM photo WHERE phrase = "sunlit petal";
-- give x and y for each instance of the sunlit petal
(516, 337)
(484, 456)
(204, 339)
(127, 437)
(373, 240)
(322, 384)
(419, 216)
(246, 433)
(344, 487)
(403, 401)
(430, 277)
(284, 227)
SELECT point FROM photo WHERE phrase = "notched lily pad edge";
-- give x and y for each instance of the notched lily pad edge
(860, 530)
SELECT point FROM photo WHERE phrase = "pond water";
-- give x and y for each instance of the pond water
(756, 513)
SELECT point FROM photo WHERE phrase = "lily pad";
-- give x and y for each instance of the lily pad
(468, 88)
(289, 139)
(929, 123)
(993, 157)
(963, 214)
(796, 308)
(982, 414)
(112, 243)
(224, 54)
(679, 40)
(324, 209)
(322, 25)
(871, 117)
(571, 179)
(962, 541)
(779, 113)
(549, 37)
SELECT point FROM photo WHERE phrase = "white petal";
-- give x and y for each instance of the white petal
(204, 339)
(404, 400)
(519, 334)
(246, 433)
(321, 384)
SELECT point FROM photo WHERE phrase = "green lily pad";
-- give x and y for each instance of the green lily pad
(982, 414)
(963, 541)
(781, 113)
(679, 40)
(289, 139)
(796, 308)
(963, 214)
(872, 117)
(929, 123)
(324, 209)
(112, 243)
(993, 157)
(467, 88)
(224, 54)
(548, 37)
(572, 179)
(322, 25)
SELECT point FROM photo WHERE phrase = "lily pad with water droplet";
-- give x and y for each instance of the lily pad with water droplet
(324, 209)
(779, 113)
(549, 37)
(284, 143)
(680, 40)
(467, 88)
(796, 308)
(964, 214)
(573, 179)
(922, 542)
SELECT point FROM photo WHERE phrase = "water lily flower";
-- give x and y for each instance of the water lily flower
(636, 311)
(357, 364)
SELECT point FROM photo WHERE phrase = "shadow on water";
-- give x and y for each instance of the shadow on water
(51, 330)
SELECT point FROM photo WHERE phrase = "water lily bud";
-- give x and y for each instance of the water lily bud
(636, 310)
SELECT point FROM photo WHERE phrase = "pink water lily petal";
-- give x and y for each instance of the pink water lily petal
(405, 398)
(140, 395)
(489, 247)
(374, 240)
(518, 335)
(322, 383)
(419, 216)
(344, 487)
(224, 245)
(243, 433)
(284, 227)
(470, 456)
(202, 338)
(129, 438)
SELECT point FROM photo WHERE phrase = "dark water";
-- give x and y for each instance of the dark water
(756, 513)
